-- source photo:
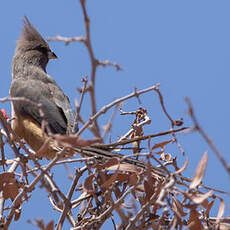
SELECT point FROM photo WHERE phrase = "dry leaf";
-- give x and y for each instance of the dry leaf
(149, 190)
(161, 144)
(126, 167)
(221, 210)
(133, 179)
(50, 225)
(204, 203)
(199, 174)
(149, 171)
(112, 178)
(199, 198)
(10, 191)
(17, 214)
(182, 168)
(159, 152)
(194, 223)
(115, 177)
(102, 177)
(88, 184)
(8, 185)
(117, 192)
(107, 164)
(5, 177)
(208, 208)
(177, 206)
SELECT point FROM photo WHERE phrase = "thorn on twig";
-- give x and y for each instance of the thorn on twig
(137, 95)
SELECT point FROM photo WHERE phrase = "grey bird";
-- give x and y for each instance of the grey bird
(31, 81)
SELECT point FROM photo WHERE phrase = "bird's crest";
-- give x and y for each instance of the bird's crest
(30, 34)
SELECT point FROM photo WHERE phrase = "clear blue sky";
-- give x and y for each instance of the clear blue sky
(183, 45)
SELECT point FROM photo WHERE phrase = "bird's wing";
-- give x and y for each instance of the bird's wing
(62, 101)
(39, 92)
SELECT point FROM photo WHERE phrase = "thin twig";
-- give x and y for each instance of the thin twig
(29, 188)
(108, 63)
(108, 211)
(205, 136)
(66, 39)
(116, 102)
(128, 141)
(67, 202)
(141, 124)
(78, 107)
(109, 123)
(94, 64)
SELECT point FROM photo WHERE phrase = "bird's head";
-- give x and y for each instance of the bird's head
(32, 48)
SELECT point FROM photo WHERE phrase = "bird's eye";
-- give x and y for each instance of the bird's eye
(42, 49)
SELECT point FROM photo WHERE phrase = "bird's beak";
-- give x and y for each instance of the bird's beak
(52, 55)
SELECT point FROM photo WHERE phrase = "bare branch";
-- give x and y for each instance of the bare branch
(205, 136)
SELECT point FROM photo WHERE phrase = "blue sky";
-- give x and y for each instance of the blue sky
(183, 45)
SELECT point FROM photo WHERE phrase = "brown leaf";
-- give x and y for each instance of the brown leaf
(150, 177)
(117, 192)
(112, 179)
(221, 210)
(10, 191)
(159, 152)
(126, 167)
(133, 179)
(149, 190)
(17, 214)
(178, 207)
(6, 177)
(88, 184)
(199, 174)
(107, 164)
(120, 177)
(102, 177)
(182, 168)
(194, 223)
(50, 225)
(161, 144)
(8, 185)
(204, 203)
(199, 198)
(208, 208)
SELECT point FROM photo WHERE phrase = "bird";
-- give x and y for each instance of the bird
(31, 81)
(41, 99)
